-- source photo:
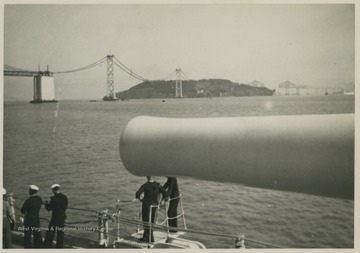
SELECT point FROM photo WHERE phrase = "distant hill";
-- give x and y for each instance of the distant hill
(192, 89)
(256, 83)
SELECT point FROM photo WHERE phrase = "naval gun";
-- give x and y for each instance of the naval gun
(311, 154)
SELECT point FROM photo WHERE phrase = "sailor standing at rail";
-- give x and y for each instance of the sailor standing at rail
(8, 216)
(173, 192)
(31, 208)
(58, 204)
(151, 190)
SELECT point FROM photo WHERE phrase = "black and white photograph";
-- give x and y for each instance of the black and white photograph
(179, 125)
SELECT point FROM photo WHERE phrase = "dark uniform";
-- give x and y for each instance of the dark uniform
(58, 204)
(31, 208)
(173, 191)
(151, 192)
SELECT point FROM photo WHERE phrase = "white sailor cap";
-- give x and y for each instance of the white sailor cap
(55, 185)
(33, 187)
(4, 191)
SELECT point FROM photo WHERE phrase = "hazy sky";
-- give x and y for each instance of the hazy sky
(306, 44)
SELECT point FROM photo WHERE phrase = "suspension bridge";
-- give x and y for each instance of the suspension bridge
(44, 85)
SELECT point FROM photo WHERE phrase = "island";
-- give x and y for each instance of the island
(193, 89)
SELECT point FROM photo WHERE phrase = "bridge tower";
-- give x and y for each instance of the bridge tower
(44, 87)
(178, 85)
(110, 95)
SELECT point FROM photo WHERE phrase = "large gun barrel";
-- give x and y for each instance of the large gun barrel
(311, 154)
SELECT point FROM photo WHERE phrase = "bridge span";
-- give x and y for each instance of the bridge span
(44, 84)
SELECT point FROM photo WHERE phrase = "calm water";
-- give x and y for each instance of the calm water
(76, 144)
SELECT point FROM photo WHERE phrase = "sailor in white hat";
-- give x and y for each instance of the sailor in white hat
(55, 185)
(33, 188)
(31, 209)
(58, 204)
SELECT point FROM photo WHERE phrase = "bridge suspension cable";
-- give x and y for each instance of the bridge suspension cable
(176, 73)
(172, 75)
(94, 64)
(82, 68)
(168, 76)
(128, 71)
(184, 76)
(10, 68)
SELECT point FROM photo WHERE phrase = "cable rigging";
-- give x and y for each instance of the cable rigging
(94, 64)
(167, 77)
(116, 217)
(128, 71)
(82, 68)
(10, 68)
(184, 76)
(172, 75)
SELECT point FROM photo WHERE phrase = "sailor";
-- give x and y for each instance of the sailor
(173, 192)
(31, 208)
(151, 190)
(8, 216)
(58, 204)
